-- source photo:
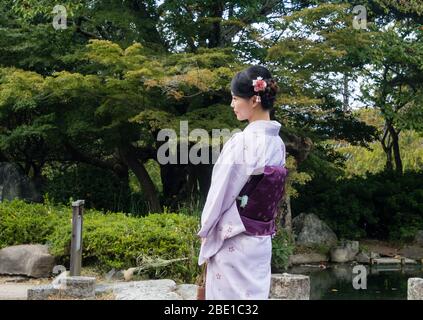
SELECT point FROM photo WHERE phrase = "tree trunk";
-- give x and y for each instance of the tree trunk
(144, 179)
(387, 147)
(286, 214)
(396, 149)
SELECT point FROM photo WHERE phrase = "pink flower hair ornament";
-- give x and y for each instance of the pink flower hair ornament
(259, 85)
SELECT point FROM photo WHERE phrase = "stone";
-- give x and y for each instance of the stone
(287, 286)
(187, 291)
(115, 275)
(15, 184)
(363, 257)
(305, 258)
(31, 260)
(43, 292)
(310, 230)
(78, 287)
(412, 252)
(66, 287)
(418, 238)
(163, 289)
(344, 252)
(415, 289)
(103, 288)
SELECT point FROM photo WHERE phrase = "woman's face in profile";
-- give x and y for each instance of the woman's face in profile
(243, 107)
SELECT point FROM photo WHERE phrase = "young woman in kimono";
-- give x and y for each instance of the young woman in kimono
(239, 262)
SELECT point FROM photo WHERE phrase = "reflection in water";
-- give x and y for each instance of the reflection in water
(336, 281)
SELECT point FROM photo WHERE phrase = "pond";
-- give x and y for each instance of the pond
(384, 282)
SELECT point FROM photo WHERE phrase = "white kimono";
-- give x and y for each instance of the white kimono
(238, 265)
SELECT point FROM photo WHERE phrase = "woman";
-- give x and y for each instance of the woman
(238, 259)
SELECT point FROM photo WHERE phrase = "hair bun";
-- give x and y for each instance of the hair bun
(272, 86)
(271, 91)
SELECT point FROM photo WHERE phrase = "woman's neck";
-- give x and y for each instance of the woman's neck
(265, 115)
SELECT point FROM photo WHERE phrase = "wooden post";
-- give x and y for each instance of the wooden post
(76, 243)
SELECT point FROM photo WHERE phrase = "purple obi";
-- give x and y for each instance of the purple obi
(258, 200)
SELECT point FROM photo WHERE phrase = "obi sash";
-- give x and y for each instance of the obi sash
(258, 200)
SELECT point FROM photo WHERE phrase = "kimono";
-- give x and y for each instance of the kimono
(238, 262)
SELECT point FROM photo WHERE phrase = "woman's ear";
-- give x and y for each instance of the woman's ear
(254, 101)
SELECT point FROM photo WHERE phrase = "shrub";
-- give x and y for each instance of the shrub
(282, 247)
(23, 223)
(110, 240)
(383, 205)
(114, 240)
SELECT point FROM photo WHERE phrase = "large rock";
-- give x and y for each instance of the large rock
(344, 252)
(418, 239)
(29, 260)
(163, 289)
(147, 290)
(310, 230)
(363, 257)
(287, 286)
(15, 184)
(306, 258)
(415, 289)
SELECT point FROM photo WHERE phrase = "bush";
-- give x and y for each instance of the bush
(382, 205)
(282, 247)
(114, 240)
(111, 240)
(23, 223)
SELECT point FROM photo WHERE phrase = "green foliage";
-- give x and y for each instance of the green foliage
(282, 247)
(101, 189)
(114, 240)
(111, 240)
(22, 223)
(382, 205)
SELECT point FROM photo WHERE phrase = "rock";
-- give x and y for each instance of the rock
(310, 230)
(362, 257)
(65, 287)
(418, 239)
(30, 260)
(43, 292)
(412, 252)
(415, 289)
(187, 291)
(15, 184)
(78, 287)
(287, 286)
(305, 258)
(115, 275)
(344, 252)
(103, 288)
(147, 290)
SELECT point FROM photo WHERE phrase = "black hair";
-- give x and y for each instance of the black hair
(242, 85)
